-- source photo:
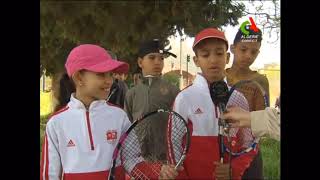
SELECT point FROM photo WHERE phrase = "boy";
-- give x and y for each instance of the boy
(195, 105)
(246, 48)
(150, 94)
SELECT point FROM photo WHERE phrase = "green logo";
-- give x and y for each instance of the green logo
(252, 26)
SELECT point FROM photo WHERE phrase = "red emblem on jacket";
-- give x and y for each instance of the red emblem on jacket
(111, 136)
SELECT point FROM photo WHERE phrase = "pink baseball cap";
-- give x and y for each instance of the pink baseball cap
(209, 33)
(93, 58)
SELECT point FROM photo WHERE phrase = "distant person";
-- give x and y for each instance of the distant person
(150, 93)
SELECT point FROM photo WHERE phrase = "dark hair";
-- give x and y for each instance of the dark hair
(240, 34)
(65, 87)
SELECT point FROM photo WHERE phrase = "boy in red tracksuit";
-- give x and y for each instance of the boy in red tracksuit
(195, 105)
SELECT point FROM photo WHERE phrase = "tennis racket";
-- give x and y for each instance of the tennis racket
(248, 95)
(132, 148)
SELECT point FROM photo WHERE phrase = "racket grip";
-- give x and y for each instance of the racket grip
(111, 177)
(180, 161)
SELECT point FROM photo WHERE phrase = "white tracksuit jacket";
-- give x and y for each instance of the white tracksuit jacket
(79, 144)
(195, 105)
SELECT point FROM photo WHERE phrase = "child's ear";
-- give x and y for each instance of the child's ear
(140, 62)
(196, 61)
(232, 48)
(228, 58)
(78, 78)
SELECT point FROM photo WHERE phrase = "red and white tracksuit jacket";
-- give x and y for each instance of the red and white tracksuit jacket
(194, 104)
(79, 144)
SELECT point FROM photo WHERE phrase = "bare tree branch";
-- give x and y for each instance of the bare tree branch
(268, 18)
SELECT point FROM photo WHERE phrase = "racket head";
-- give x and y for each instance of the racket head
(250, 96)
(131, 147)
(253, 92)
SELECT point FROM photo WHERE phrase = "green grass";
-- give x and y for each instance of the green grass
(270, 149)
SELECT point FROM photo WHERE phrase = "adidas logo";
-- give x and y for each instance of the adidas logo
(70, 143)
(198, 111)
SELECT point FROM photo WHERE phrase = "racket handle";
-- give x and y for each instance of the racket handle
(110, 176)
(221, 147)
(180, 161)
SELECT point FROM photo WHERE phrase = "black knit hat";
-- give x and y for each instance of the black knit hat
(252, 36)
(153, 46)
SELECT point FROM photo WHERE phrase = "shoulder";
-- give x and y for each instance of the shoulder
(185, 93)
(59, 114)
(115, 109)
(131, 91)
(261, 78)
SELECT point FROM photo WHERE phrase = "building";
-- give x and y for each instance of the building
(272, 71)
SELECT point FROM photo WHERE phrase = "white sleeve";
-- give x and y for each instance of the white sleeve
(266, 122)
(51, 162)
(125, 124)
(180, 107)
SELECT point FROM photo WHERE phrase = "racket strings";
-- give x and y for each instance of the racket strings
(143, 165)
(149, 170)
(243, 95)
(178, 137)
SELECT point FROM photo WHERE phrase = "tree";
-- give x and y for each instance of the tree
(267, 15)
(120, 26)
(172, 78)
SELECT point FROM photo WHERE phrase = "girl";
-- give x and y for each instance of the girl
(81, 136)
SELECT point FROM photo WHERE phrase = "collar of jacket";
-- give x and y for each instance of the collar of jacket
(145, 80)
(202, 83)
(77, 104)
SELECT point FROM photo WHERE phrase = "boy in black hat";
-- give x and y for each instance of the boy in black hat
(151, 93)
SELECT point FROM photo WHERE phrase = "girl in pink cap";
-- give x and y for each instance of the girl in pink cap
(82, 134)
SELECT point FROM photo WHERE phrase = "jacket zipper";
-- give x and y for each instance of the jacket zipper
(89, 130)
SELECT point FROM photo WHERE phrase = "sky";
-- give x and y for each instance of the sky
(269, 51)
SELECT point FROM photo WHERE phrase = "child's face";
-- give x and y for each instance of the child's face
(211, 57)
(94, 86)
(151, 64)
(245, 53)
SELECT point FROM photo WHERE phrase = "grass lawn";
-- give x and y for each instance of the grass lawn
(270, 149)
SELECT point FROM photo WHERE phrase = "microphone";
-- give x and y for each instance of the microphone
(219, 94)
